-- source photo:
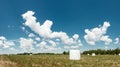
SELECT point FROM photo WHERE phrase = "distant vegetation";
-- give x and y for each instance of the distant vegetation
(24, 53)
(97, 52)
(103, 52)
(64, 52)
(35, 53)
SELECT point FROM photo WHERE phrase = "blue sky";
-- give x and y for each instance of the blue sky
(70, 16)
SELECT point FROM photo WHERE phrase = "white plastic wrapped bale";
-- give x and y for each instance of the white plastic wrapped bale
(93, 54)
(74, 54)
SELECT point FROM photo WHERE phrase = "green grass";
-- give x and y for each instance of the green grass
(62, 61)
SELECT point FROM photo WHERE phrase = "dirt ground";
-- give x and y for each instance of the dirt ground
(7, 64)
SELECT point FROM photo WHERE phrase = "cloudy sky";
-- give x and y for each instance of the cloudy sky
(55, 26)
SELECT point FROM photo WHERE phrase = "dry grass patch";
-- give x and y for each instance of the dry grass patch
(61, 61)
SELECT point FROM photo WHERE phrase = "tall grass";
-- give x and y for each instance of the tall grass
(63, 61)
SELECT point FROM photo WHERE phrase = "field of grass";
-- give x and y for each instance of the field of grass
(59, 61)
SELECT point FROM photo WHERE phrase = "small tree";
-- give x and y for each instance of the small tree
(65, 52)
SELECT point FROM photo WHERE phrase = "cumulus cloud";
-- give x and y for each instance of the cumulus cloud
(76, 36)
(1, 42)
(71, 47)
(31, 35)
(63, 37)
(37, 39)
(79, 43)
(98, 34)
(13, 49)
(26, 43)
(5, 43)
(57, 40)
(2, 38)
(44, 30)
(106, 39)
(43, 46)
(117, 41)
(52, 43)
(23, 28)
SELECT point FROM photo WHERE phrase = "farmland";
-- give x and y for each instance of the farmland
(59, 61)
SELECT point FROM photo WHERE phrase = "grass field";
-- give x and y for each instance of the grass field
(59, 61)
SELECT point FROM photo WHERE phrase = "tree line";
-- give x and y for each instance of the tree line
(97, 52)
(103, 52)
(26, 53)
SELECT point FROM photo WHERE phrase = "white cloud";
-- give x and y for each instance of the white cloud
(2, 38)
(26, 43)
(72, 47)
(75, 36)
(23, 28)
(76, 46)
(67, 47)
(97, 34)
(37, 39)
(63, 37)
(106, 39)
(43, 46)
(13, 49)
(1, 43)
(57, 40)
(5, 43)
(117, 41)
(31, 35)
(52, 43)
(44, 30)
(34, 42)
(79, 43)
